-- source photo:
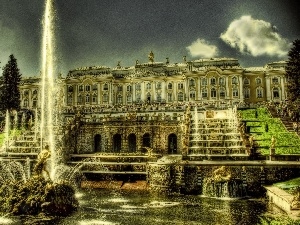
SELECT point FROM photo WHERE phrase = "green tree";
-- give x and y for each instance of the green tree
(293, 72)
(10, 93)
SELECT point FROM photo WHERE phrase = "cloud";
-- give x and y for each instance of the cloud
(202, 48)
(255, 37)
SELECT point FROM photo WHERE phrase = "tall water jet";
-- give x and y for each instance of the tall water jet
(6, 131)
(48, 89)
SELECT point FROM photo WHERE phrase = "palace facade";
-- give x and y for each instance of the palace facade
(130, 109)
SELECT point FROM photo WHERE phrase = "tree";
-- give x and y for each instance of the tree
(293, 72)
(10, 93)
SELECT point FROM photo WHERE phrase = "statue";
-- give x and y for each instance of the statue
(221, 174)
(40, 166)
(273, 141)
(251, 141)
(151, 57)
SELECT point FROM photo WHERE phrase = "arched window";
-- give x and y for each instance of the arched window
(222, 93)
(204, 81)
(204, 93)
(138, 87)
(246, 93)
(170, 97)
(213, 81)
(79, 99)
(192, 95)
(25, 103)
(129, 88)
(94, 98)
(80, 88)
(129, 98)
(146, 140)
(35, 92)
(70, 99)
(120, 88)
(95, 87)
(235, 92)
(105, 87)
(117, 143)
(234, 80)
(275, 80)
(105, 98)
(97, 143)
(213, 93)
(34, 103)
(246, 81)
(191, 82)
(87, 87)
(172, 144)
(258, 81)
(119, 99)
(222, 81)
(158, 86)
(158, 97)
(276, 92)
(138, 97)
(26, 92)
(131, 143)
(180, 85)
(170, 86)
(259, 92)
(148, 97)
(87, 99)
(180, 96)
(148, 85)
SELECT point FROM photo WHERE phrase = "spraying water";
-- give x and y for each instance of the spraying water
(6, 131)
(48, 91)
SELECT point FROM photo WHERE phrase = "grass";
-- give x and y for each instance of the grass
(289, 185)
(286, 142)
(16, 132)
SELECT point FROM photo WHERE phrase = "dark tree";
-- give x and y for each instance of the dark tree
(293, 72)
(10, 93)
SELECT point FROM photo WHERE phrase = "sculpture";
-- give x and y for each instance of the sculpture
(40, 166)
(221, 174)
(273, 141)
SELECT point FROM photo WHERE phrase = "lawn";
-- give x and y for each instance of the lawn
(260, 119)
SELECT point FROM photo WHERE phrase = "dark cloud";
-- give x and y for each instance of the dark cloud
(104, 32)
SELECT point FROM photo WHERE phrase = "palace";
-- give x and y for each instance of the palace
(149, 105)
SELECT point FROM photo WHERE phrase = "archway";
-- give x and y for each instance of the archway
(172, 144)
(117, 143)
(132, 143)
(146, 140)
(97, 143)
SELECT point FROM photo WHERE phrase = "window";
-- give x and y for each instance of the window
(94, 87)
(129, 88)
(235, 92)
(120, 88)
(204, 93)
(80, 87)
(246, 81)
(129, 97)
(246, 93)
(258, 81)
(180, 96)
(170, 86)
(35, 91)
(158, 86)
(222, 93)
(105, 98)
(180, 85)
(222, 81)
(275, 80)
(213, 93)
(192, 82)
(105, 87)
(169, 97)
(25, 104)
(204, 81)
(87, 99)
(70, 100)
(34, 103)
(192, 95)
(158, 97)
(259, 93)
(79, 99)
(234, 80)
(26, 93)
(87, 88)
(138, 87)
(138, 97)
(94, 99)
(276, 92)
(119, 99)
(148, 97)
(148, 85)
(213, 81)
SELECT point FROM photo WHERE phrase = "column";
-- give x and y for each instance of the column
(143, 91)
(282, 96)
(163, 90)
(268, 88)
(110, 91)
(241, 96)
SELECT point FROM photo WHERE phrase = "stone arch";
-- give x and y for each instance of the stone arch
(172, 144)
(117, 143)
(97, 143)
(132, 142)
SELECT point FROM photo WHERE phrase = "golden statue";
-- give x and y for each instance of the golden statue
(40, 166)
(221, 174)
(151, 57)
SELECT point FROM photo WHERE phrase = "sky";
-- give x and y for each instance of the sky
(104, 32)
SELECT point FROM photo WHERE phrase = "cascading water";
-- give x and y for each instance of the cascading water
(48, 89)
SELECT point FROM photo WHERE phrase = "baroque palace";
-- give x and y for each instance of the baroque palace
(156, 105)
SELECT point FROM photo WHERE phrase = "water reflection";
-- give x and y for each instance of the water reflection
(125, 207)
